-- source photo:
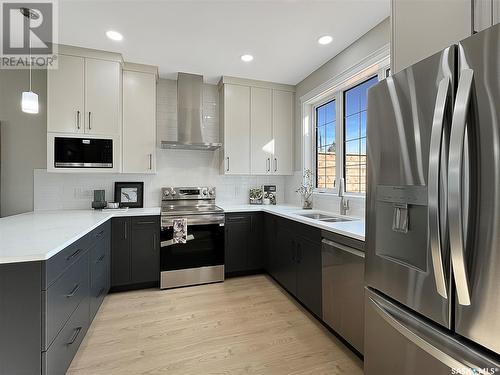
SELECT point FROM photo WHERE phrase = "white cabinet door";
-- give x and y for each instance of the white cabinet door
(422, 28)
(261, 130)
(65, 95)
(102, 97)
(139, 122)
(282, 132)
(236, 129)
(496, 12)
(484, 14)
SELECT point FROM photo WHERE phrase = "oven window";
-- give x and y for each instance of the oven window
(205, 249)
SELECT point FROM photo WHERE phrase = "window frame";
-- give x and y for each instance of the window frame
(323, 101)
(337, 93)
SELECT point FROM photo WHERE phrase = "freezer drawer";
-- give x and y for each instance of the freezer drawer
(397, 342)
(343, 271)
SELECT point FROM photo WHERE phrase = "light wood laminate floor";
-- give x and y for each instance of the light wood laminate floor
(246, 325)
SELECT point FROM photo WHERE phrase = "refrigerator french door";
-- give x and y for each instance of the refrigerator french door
(433, 208)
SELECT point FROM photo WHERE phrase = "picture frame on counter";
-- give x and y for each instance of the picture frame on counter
(129, 194)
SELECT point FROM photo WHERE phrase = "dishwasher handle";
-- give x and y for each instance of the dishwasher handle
(344, 248)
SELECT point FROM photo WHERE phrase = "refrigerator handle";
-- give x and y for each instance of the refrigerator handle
(455, 209)
(433, 211)
(401, 324)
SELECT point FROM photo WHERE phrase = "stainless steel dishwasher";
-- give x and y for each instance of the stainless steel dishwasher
(343, 291)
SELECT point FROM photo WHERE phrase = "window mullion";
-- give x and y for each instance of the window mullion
(339, 167)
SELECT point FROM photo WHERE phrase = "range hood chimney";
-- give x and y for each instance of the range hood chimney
(190, 129)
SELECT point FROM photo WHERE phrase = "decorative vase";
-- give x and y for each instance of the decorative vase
(307, 203)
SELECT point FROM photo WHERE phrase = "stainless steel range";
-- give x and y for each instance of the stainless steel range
(201, 259)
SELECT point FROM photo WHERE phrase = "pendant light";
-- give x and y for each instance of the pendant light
(29, 99)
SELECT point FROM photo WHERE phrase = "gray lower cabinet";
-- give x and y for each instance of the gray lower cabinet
(47, 306)
(294, 259)
(100, 263)
(135, 252)
(244, 248)
(56, 360)
(343, 266)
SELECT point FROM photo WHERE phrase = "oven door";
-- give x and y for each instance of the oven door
(204, 247)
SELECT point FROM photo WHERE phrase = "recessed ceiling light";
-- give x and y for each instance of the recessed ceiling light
(325, 39)
(246, 58)
(114, 35)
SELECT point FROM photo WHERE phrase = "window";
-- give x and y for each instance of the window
(354, 115)
(325, 145)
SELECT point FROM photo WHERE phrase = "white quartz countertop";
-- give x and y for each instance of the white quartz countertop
(38, 235)
(354, 228)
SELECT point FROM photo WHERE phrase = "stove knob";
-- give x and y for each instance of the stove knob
(166, 193)
(212, 191)
(173, 192)
(204, 192)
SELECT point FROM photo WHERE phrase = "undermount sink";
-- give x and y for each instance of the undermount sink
(325, 218)
(336, 219)
(316, 216)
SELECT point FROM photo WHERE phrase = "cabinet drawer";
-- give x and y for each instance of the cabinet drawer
(62, 298)
(103, 232)
(141, 222)
(57, 359)
(98, 290)
(56, 265)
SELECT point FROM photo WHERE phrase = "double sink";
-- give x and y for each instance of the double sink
(325, 218)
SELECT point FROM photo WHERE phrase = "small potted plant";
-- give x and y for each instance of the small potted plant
(256, 196)
(306, 190)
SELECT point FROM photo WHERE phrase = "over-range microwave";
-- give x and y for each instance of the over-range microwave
(83, 152)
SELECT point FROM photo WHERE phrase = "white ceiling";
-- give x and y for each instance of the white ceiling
(208, 37)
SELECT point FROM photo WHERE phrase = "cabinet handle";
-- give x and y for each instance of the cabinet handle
(227, 167)
(150, 161)
(299, 253)
(75, 335)
(293, 251)
(125, 229)
(275, 164)
(268, 164)
(73, 291)
(145, 222)
(74, 254)
(90, 125)
(78, 119)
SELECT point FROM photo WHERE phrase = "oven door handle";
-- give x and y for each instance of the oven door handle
(171, 242)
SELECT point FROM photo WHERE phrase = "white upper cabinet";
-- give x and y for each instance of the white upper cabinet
(139, 119)
(102, 97)
(496, 11)
(282, 132)
(84, 93)
(236, 129)
(261, 136)
(257, 127)
(65, 95)
(486, 14)
(422, 28)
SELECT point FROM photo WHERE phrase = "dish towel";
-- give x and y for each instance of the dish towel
(180, 230)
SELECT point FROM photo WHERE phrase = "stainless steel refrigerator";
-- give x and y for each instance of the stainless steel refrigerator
(432, 297)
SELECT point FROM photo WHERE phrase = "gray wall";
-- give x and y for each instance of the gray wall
(23, 140)
(373, 40)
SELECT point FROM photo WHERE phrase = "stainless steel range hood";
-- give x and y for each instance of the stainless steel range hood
(190, 129)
